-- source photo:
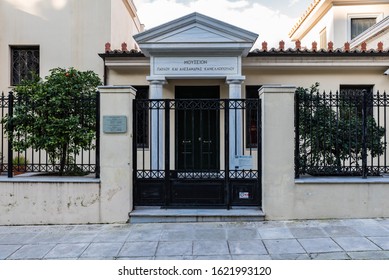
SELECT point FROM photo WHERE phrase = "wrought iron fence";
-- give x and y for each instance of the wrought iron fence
(14, 161)
(342, 133)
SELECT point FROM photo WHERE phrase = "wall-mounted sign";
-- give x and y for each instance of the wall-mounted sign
(244, 162)
(244, 195)
(196, 66)
(114, 124)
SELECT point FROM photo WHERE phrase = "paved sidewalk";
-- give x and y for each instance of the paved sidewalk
(301, 240)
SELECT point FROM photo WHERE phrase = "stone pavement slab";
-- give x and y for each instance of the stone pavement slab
(275, 233)
(179, 248)
(369, 255)
(177, 235)
(242, 234)
(308, 232)
(283, 246)
(334, 231)
(290, 257)
(330, 256)
(139, 249)
(382, 242)
(251, 257)
(209, 248)
(356, 244)
(319, 245)
(65, 251)
(7, 250)
(31, 252)
(375, 230)
(102, 250)
(253, 247)
(17, 238)
(210, 234)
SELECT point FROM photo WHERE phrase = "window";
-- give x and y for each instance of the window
(323, 38)
(142, 132)
(359, 25)
(252, 119)
(24, 62)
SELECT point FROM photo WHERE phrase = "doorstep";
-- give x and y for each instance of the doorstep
(158, 215)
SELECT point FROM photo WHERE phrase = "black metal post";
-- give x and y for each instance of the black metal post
(364, 136)
(10, 133)
(227, 150)
(259, 149)
(135, 148)
(97, 134)
(297, 135)
(167, 152)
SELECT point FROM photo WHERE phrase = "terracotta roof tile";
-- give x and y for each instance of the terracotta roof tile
(298, 50)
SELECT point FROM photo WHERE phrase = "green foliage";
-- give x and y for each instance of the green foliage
(57, 115)
(20, 160)
(329, 137)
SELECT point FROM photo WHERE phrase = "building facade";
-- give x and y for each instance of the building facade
(42, 35)
(183, 63)
(343, 21)
(196, 118)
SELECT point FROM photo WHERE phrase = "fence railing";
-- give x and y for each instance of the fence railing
(15, 161)
(342, 133)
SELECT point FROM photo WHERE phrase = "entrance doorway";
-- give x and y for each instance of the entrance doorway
(193, 142)
(197, 129)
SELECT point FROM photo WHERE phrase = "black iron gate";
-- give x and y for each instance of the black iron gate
(197, 152)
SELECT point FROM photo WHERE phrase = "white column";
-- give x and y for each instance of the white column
(156, 148)
(116, 156)
(236, 129)
(280, 199)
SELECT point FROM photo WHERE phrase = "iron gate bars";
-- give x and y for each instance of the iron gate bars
(187, 141)
(341, 134)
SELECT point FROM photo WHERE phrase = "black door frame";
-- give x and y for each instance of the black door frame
(197, 143)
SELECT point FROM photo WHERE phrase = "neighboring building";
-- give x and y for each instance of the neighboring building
(41, 35)
(376, 34)
(343, 21)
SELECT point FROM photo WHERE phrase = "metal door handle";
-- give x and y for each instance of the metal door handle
(207, 142)
(186, 142)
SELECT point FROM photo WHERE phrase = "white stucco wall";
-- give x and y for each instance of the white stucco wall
(337, 22)
(70, 33)
(49, 201)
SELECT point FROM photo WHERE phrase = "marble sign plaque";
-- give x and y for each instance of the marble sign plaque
(196, 66)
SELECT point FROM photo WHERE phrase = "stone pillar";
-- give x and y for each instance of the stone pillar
(278, 193)
(236, 129)
(116, 154)
(156, 137)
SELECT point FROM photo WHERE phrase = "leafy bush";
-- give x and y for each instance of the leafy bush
(57, 115)
(330, 137)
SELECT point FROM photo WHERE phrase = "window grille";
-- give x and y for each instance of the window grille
(24, 63)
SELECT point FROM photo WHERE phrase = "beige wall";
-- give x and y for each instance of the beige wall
(33, 201)
(70, 33)
(309, 198)
(330, 78)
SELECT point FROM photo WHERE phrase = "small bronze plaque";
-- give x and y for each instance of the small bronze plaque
(114, 124)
